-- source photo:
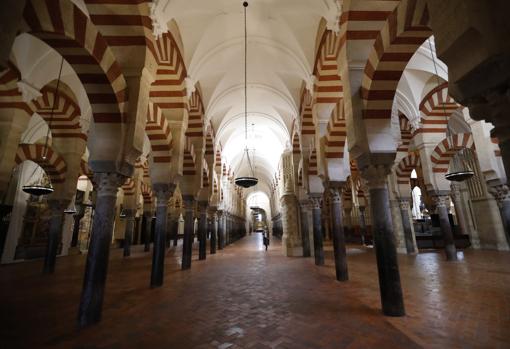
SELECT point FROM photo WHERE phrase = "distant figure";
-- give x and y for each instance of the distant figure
(265, 238)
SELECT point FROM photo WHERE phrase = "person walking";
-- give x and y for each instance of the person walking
(265, 238)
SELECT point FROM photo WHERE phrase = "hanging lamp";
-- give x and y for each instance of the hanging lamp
(249, 180)
(43, 186)
(71, 209)
(459, 169)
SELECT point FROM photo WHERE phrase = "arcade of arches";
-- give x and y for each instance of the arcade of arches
(133, 112)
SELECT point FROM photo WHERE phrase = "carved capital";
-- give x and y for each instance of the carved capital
(163, 193)
(107, 184)
(455, 192)
(404, 204)
(188, 203)
(441, 201)
(500, 192)
(316, 201)
(376, 175)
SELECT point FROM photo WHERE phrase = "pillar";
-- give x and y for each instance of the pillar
(317, 229)
(187, 245)
(174, 230)
(442, 202)
(335, 202)
(406, 225)
(221, 230)
(384, 240)
(214, 232)
(163, 192)
(502, 195)
(91, 301)
(457, 202)
(57, 208)
(362, 224)
(76, 226)
(130, 227)
(147, 230)
(202, 230)
(303, 213)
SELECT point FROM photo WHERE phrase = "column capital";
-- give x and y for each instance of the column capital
(163, 192)
(500, 192)
(188, 202)
(316, 201)
(108, 183)
(440, 199)
(376, 175)
(404, 203)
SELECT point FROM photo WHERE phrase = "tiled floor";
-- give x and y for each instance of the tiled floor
(244, 297)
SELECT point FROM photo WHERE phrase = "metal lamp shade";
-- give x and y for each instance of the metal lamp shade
(459, 170)
(246, 182)
(38, 189)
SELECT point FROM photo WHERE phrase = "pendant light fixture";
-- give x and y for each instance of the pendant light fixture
(459, 169)
(43, 185)
(249, 180)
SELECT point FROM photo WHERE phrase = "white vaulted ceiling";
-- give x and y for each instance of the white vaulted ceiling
(282, 35)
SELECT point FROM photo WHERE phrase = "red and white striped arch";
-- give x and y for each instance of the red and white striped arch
(205, 175)
(328, 84)
(336, 134)
(406, 133)
(196, 116)
(307, 125)
(405, 167)
(66, 113)
(10, 96)
(404, 30)
(312, 163)
(436, 108)
(189, 159)
(447, 148)
(159, 134)
(64, 27)
(129, 187)
(168, 91)
(54, 164)
(146, 191)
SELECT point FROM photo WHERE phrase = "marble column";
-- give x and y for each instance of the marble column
(92, 295)
(347, 221)
(502, 195)
(187, 245)
(57, 208)
(163, 192)
(221, 230)
(317, 229)
(362, 224)
(457, 202)
(76, 227)
(202, 230)
(176, 229)
(303, 213)
(147, 230)
(227, 228)
(384, 240)
(340, 253)
(214, 232)
(442, 203)
(406, 225)
(128, 234)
